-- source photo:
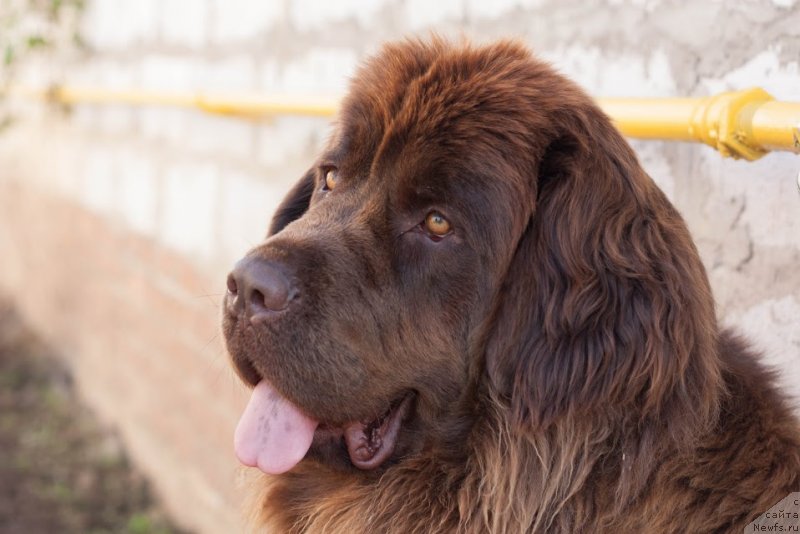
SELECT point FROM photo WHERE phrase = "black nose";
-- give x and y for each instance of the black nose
(258, 288)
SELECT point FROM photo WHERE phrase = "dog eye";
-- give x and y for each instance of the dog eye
(331, 177)
(436, 224)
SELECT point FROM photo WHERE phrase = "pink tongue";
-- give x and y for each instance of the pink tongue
(273, 434)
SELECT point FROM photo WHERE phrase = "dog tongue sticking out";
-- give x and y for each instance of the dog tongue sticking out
(273, 434)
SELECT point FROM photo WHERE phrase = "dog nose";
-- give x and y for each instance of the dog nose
(258, 288)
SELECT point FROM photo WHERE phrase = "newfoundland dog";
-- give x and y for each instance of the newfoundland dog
(477, 313)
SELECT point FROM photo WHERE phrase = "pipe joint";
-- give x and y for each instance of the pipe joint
(725, 122)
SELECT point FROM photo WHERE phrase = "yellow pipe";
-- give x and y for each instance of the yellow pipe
(741, 124)
(240, 104)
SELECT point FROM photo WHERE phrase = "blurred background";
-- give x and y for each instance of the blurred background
(118, 223)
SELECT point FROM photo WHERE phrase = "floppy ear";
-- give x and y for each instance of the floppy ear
(605, 309)
(294, 205)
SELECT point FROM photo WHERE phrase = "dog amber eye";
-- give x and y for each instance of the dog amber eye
(436, 224)
(331, 177)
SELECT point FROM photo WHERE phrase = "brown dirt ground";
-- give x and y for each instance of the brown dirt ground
(60, 469)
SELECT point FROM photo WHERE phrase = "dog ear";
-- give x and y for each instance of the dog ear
(294, 205)
(605, 309)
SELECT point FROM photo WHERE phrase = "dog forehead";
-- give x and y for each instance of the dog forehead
(432, 123)
(427, 91)
(453, 105)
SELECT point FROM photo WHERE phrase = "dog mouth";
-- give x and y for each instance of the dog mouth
(274, 434)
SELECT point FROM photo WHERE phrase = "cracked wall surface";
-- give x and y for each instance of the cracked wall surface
(118, 224)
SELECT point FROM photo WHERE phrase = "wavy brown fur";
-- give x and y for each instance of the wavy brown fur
(598, 394)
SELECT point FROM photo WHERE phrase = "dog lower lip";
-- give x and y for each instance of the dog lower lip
(369, 444)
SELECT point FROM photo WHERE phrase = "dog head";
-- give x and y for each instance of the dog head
(475, 222)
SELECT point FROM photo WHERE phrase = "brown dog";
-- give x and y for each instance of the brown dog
(477, 313)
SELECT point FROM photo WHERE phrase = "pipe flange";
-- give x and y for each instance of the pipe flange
(721, 122)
